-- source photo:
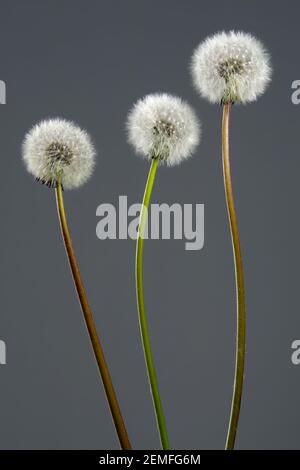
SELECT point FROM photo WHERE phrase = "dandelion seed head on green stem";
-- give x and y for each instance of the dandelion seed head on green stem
(165, 127)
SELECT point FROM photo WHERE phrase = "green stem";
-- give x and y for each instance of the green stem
(141, 308)
(91, 327)
(240, 289)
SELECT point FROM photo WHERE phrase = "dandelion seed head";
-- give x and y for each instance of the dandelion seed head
(58, 149)
(231, 67)
(163, 126)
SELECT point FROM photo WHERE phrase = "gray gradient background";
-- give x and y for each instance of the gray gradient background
(89, 61)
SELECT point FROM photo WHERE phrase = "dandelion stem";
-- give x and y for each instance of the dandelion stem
(240, 290)
(161, 422)
(88, 317)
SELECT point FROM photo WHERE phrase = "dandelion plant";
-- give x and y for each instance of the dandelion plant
(230, 68)
(163, 129)
(61, 155)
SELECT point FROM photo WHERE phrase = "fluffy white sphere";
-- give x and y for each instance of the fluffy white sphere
(231, 67)
(58, 147)
(163, 126)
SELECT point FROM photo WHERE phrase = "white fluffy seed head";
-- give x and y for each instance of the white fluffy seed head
(231, 67)
(163, 126)
(57, 148)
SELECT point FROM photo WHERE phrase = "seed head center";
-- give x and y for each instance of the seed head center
(59, 152)
(231, 67)
(166, 128)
